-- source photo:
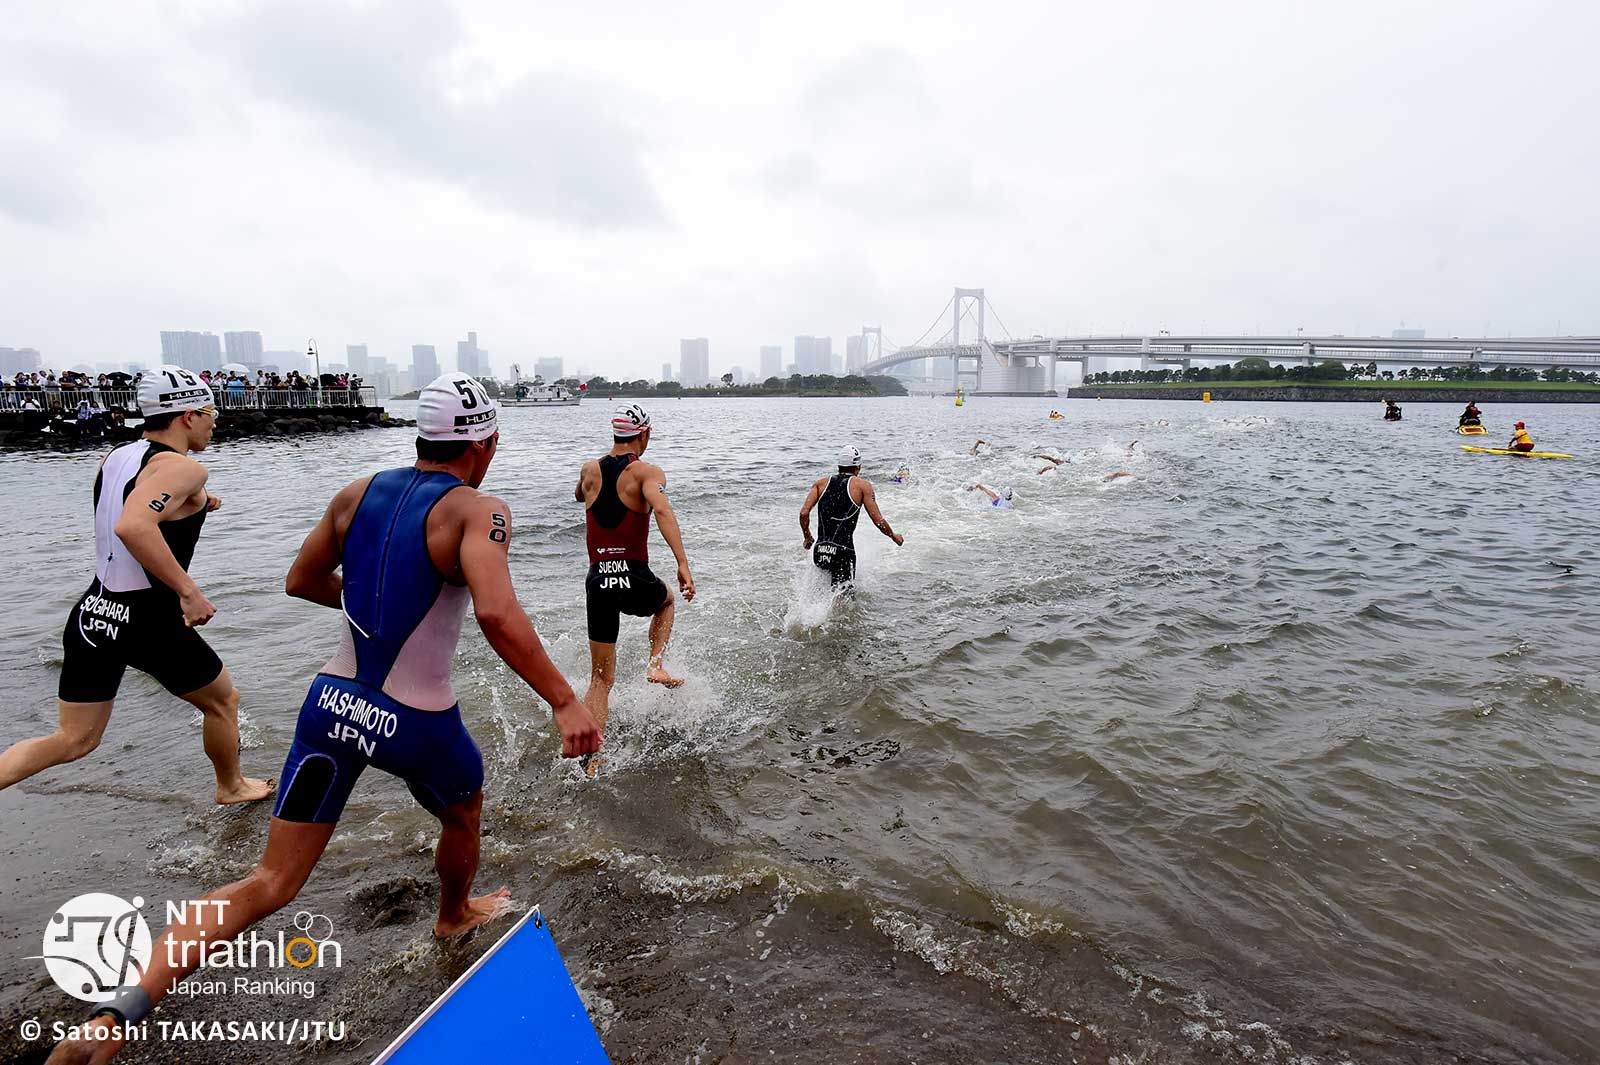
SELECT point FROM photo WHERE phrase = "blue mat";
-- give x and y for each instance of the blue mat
(516, 1003)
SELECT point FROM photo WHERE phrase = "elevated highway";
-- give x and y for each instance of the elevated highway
(1013, 357)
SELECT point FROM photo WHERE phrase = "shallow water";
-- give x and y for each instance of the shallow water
(1278, 749)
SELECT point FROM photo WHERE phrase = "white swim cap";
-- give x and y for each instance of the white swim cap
(1005, 493)
(629, 420)
(172, 388)
(455, 406)
(849, 457)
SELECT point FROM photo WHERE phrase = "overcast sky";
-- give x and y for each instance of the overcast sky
(598, 184)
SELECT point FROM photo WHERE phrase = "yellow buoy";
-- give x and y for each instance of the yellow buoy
(1205, 397)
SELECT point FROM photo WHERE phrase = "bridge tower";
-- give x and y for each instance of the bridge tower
(966, 298)
(871, 343)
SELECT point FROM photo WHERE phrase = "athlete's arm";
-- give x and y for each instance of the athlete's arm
(315, 575)
(654, 490)
(869, 500)
(578, 494)
(805, 511)
(157, 498)
(485, 550)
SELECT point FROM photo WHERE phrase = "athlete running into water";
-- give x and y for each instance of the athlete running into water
(143, 609)
(401, 552)
(620, 491)
(839, 501)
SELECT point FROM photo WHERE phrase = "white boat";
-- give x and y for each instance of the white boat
(536, 393)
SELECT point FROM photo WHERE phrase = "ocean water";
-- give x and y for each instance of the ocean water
(1279, 748)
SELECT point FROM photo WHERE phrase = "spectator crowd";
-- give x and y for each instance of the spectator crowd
(91, 403)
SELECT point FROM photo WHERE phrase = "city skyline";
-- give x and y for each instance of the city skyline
(697, 180)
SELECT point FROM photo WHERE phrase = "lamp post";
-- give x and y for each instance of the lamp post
(316, 382)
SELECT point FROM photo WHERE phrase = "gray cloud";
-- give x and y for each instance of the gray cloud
(873, 118)
(871, 84)
(549, 145)
(37, 186)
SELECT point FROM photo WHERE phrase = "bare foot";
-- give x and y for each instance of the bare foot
(249, 789)
(92, 1051)
(658, 674)
(479, 910)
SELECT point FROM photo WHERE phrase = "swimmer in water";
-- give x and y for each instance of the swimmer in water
(998, 497)
(1054, 462)
(1122, 472)
(400, 554)
(979, 444)
(901, 476)
(143, 609)
(839, 500)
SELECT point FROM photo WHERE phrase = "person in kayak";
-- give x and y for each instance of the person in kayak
(1391, 411)
(839, 501)
(1520, 440)
(1470, 416)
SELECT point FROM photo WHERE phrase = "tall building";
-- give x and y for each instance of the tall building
(244, 347)
(283, 361)
(356, 356)
(424, 364)
(550, 368)
(813, 355)
(855, 353)
(382, 375)
(191, 350)
(694, 362)
(19, 360)
(666, 371)
(802, 355)
(470, 358)
(771, 361)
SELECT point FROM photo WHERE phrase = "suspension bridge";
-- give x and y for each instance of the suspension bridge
(1008, 365)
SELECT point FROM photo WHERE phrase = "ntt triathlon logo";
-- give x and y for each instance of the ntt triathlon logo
(95, 945)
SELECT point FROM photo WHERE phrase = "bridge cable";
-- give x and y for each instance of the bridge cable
(936, 321)
(990, 303)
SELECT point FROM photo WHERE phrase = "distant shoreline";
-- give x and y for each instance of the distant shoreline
(718, 393)
(1366, 392)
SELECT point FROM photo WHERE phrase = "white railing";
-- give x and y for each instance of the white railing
(127, 400)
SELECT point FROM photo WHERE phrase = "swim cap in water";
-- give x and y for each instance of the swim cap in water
(172, 388)
(1521, 426)
(455, 406)
(849, 457)
(629, 420)
(1005, 493)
